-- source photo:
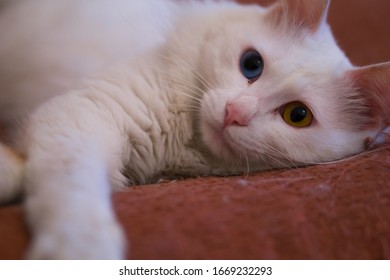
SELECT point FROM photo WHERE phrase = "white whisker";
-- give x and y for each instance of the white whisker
(180, 61)
(247, 165)
(279, 156)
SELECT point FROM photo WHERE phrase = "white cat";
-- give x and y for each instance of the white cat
(148, 89)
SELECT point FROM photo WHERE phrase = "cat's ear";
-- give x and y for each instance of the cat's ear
(299, 14)
(373, 84)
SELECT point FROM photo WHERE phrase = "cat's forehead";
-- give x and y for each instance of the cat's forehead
(281, 49)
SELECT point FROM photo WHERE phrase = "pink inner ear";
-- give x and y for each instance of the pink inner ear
(305, 14)
(373, 82)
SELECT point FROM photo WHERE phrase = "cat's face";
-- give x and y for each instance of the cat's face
(277, 97)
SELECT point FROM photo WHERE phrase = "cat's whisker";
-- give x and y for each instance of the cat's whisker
(193, 91)
(176, 81)
(280, 155)
(247, 165)
(186, 106)
(190, 109)
(263, 159)
(267, 156)
(304, 147)
(278, 160)
(270, 153)
(179, 61)
(182, 84)
(187, 92)
(238, 162)
(165, 73)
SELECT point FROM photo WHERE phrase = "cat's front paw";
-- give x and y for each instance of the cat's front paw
(93, 242)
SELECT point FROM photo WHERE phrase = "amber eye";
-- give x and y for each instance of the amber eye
(297, 114)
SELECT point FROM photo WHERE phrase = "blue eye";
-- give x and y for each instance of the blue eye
(251, 65)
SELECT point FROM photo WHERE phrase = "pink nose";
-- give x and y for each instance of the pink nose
(240, 111)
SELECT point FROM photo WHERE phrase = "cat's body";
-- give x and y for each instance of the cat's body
(157, 88)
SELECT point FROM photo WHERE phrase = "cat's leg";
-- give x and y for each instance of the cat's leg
(74, 151)
(11, 174)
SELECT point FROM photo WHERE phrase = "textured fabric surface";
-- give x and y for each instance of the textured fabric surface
(332, 211)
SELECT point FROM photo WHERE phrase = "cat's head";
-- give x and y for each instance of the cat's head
(280, 92)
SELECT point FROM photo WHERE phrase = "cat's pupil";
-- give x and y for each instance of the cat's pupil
(251, 65)
(298, 114)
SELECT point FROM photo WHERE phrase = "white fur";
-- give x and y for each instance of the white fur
(142, 88)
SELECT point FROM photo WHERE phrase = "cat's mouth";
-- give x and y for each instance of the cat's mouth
(217, 138)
